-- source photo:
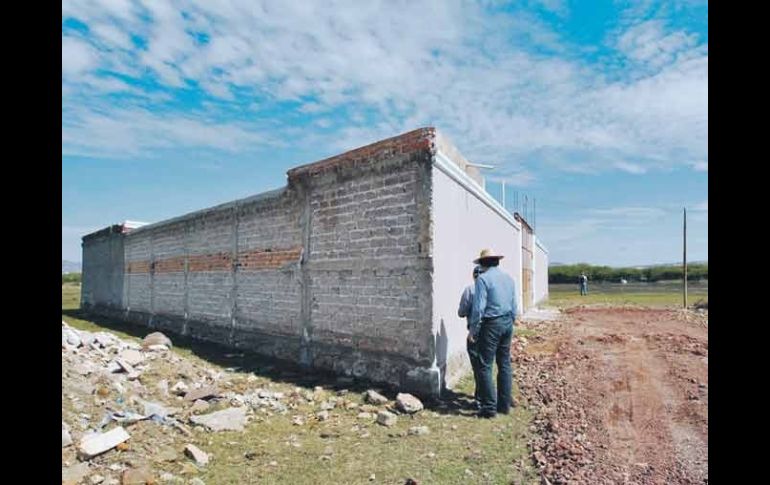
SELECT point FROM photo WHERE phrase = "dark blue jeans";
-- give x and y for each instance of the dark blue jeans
(473, 355)
(494, 344)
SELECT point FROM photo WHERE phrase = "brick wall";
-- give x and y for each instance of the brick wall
(369, 261)
(333, 271)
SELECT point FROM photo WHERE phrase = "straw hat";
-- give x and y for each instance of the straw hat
(487, 254)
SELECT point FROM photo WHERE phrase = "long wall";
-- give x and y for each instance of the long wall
(333, 271)
(541, 272)
(465, 220)
(356, 266)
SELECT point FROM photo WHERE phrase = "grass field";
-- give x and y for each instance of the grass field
(661, 294)
(458, 449)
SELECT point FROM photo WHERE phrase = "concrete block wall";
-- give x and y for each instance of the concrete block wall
(332, 271)
(227, 274)
(368, 261)
(103, 268)
(356, 266)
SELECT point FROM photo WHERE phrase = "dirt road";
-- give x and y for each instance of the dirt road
(621, 395)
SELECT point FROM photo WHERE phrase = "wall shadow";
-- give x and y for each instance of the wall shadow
(278, 370)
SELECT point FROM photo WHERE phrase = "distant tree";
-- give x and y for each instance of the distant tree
(569, 273)
(71, 278)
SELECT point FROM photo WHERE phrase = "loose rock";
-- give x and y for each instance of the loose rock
(419, 430)
(75, 473)
(156, 338)
(231, 419)
(94, 445)
(137, 476)
(66, 439)
(408, 403)
(200, 457)
(180, 388)
(200, 406)
(202, 393)
(133, 357)
(386, 418)
(374, 397)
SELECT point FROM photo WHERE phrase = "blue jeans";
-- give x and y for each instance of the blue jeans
(494, 344)
(583, 289)
(473, 355)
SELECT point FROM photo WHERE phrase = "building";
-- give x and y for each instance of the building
(355, 266)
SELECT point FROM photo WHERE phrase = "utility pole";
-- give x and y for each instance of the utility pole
(684, 254)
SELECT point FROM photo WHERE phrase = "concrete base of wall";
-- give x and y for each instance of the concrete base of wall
(377, 367)
(458, 366)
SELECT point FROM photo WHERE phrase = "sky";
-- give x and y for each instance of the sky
(596, 110)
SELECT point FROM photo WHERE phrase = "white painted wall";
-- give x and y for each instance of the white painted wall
(541, 272)
(463, 225)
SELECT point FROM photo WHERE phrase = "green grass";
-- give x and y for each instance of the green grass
(523, 332)
(663, 294)
(457, 440)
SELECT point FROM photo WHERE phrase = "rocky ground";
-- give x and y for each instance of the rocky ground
(607, 396)
(136, 412)
(619, 395)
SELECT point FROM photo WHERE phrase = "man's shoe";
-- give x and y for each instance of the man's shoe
(486, 415)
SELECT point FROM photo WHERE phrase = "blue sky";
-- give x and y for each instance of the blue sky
(596, 109)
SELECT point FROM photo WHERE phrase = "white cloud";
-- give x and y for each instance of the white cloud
(111, 35)
(127, 133)
(558, 234)
(633, 213)
(519, 178)
(443, 63)
(702, 207)
(648, 43)
(617, 220)
(558, 7)
(630, 168)
(702, 166)
(77, 56)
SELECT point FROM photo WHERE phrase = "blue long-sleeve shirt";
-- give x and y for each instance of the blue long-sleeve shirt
(494, 296)
(466, 302)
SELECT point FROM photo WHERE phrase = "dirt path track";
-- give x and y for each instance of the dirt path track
(621, 396)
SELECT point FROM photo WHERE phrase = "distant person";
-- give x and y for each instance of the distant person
(464, 311)
(583, 280)
(493, 314)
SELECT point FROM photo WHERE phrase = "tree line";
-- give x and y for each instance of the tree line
(569, 273)
(70, 278)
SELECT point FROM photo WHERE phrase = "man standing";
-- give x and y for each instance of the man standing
(583, 284)
(492, 316)
(464, 311)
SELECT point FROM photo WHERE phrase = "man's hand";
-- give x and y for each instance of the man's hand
(470, 338)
